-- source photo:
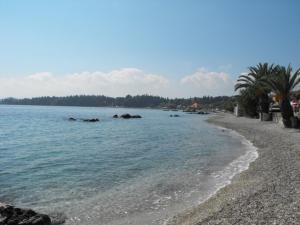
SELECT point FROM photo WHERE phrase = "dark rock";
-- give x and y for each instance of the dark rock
(7, 211)
(116, 116)
(29, 212)
(136, 117)
(94, 120)
(174, 115)
(16, 216)
(128, 116)
(41, 219)
(91, 120)
(202, 113)
(72, 119)
(18, 211)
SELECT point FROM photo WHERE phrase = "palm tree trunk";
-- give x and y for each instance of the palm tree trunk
(286, 112)
(264, 103)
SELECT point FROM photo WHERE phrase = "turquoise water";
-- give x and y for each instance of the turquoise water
(117, 171)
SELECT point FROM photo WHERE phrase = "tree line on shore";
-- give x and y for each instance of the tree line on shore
(138, 101)
(266, 83)
(257, 90)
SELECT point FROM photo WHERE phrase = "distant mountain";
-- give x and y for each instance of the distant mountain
(138, 101)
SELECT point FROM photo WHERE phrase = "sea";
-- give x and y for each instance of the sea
(115, 171)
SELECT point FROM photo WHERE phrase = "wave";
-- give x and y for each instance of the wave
(224, 177)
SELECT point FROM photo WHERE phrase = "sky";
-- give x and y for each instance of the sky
(171, 48)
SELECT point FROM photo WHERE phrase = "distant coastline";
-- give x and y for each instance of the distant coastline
(138, 101)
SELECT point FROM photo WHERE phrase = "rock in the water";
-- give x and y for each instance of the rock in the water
(128, 116)
(176, 115)
(10, 215)
(202, 113)
(136, 117)
(91, 120)
(72, 119)
(116, 116)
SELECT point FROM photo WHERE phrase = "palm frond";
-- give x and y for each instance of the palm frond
(294, 81)
(240, 86)
(247, 78)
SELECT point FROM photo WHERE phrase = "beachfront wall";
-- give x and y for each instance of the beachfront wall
(237, 111)
(277, 118)
(265, 116)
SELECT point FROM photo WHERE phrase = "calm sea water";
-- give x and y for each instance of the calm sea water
(139, 171)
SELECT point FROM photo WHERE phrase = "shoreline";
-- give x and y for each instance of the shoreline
(265, 193)
(264, 190)
(238, 165)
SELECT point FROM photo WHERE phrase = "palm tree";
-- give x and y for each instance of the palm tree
(254, 80)
(283, 84)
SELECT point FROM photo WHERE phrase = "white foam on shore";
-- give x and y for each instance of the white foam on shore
(225, 176)
(237, 166)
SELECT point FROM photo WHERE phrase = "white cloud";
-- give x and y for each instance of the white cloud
(116, 83)
(204, 82)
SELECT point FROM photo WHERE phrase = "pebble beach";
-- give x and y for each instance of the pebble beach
(268, 192)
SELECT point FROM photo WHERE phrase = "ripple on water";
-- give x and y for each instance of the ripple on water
(115, 171)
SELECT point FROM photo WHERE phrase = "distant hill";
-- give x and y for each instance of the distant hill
(138, 101)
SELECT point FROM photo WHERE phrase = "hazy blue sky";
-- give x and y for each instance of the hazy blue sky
(169, 40)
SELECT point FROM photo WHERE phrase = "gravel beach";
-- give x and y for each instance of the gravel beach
(268, 192)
